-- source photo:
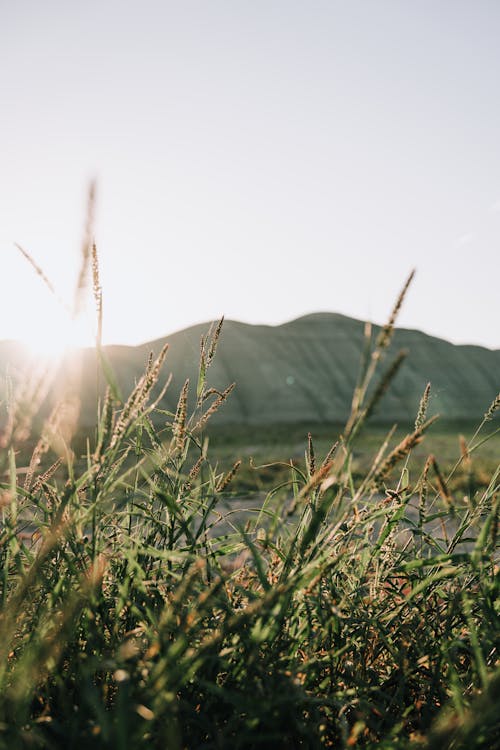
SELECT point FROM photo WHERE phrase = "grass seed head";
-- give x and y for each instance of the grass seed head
(495, 404)
(179, 426)
(214, 341)
(387, 331)
(422, 408)
(311, 460)
(227, 478)
(97, 291)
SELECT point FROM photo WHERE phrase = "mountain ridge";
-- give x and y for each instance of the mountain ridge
(314, 316)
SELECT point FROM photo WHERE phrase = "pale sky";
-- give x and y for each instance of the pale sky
(261, 159)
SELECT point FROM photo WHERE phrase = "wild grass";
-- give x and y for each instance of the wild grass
(342, 611)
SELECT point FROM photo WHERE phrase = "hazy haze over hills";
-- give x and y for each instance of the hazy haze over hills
(304, 371)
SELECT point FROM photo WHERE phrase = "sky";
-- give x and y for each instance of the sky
(259, 159)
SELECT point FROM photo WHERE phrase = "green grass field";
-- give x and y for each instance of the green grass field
(265, 452)
(157, 593)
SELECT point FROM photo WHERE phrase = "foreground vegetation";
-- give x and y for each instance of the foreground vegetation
(345, 608)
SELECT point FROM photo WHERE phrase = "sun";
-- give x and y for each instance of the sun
(55, 334)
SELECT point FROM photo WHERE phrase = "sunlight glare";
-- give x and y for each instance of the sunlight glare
(54, 336)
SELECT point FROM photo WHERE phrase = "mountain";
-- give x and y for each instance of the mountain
(303, 371)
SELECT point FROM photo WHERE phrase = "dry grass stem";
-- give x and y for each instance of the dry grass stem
(47, 475)
(385, 382)
(138, 398)
(440, 481)
(329, 456)
(200, 424)
(385, 335)
(464, 450)
(38, 270)
(86, 252)
(105, 424)
(401, 451)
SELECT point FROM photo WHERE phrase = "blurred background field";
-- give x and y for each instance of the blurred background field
(265, 450)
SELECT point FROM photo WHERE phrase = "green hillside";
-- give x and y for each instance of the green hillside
(304, 371)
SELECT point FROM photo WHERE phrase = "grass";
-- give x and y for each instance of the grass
(266, 452)
(354, 605)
